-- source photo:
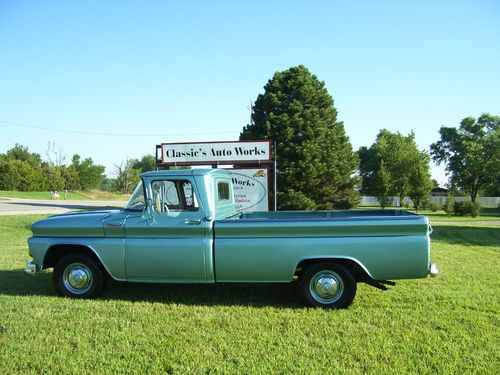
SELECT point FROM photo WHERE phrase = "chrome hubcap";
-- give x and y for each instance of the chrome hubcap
(326, 286)
(77, 278)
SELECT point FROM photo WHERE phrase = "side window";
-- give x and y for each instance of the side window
(223, 192)
(173, 195)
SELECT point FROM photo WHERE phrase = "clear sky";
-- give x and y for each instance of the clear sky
(149, 72)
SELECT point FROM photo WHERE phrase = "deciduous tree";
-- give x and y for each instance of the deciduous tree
(471, 153)
(89, 174)
(145, 164)
(127, 177)
(406, 167)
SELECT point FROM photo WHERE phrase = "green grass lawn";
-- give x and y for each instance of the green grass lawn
(86, 195)
(486, 214)
(445, 325)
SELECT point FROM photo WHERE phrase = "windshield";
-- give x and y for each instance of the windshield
(136, 201)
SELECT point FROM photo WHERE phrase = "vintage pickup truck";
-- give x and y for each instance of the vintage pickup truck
(181, 226)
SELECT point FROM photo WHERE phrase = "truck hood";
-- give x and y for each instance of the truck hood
(73, 224)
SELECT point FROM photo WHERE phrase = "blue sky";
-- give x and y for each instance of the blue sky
(149, 72)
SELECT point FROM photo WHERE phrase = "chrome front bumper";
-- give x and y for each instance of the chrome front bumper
(433, 269)
(30, 268)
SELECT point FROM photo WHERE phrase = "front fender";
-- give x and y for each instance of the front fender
(109, 251)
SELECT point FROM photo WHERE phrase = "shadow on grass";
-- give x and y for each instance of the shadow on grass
(17, 283)
(467, 235)
(490, 211)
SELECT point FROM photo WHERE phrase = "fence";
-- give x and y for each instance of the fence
(440, 201)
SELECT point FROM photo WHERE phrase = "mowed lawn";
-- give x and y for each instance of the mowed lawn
(444, 325)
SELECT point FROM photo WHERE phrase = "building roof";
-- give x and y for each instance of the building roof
(439, 190)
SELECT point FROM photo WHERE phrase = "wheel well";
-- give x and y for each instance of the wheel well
(57, 252)
(357, 271)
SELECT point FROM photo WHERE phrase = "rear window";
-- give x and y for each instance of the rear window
(223, 191)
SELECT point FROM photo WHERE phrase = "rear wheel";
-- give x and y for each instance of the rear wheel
(328, 285)
(78, 276)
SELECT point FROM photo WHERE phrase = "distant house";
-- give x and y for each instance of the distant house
(439, 192)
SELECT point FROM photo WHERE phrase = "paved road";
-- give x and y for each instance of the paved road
(17, 206)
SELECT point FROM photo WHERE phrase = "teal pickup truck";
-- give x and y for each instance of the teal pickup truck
(181, 226)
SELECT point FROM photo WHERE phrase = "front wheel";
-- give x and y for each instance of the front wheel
(327, 285)
(78, 276)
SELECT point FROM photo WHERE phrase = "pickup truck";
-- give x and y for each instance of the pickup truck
(181, 226)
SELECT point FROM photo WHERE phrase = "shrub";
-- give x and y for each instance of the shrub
(458, 208)
(466, 208)
(433, 207)
(449, 205)
(472, 208)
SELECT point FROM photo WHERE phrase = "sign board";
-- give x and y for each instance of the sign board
(250, 189)
(215, 152)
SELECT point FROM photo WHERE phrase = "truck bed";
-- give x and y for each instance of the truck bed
(267, 246)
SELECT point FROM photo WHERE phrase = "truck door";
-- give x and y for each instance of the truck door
(171, 240)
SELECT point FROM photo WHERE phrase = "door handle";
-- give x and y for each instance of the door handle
(192, 221)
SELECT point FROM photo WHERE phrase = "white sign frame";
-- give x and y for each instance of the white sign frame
(211, 153)
(256, 194)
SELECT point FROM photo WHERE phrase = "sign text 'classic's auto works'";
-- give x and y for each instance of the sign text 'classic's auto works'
(215, 152)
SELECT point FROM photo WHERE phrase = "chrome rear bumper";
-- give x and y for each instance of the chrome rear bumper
(433, 269)
(30, 268)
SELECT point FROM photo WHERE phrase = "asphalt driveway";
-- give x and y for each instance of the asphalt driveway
(17, 206)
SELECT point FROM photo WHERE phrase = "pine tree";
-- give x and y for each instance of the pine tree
(315, 160)
(382, 191)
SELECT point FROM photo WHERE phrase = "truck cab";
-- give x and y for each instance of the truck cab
(174, 211)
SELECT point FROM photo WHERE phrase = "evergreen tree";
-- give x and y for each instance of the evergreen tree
(383, 187)
(315, 161)
(420, 183)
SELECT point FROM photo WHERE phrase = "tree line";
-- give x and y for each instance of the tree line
(317, 167)
(23, 170)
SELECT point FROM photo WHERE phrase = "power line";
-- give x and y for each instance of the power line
(70, 131)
